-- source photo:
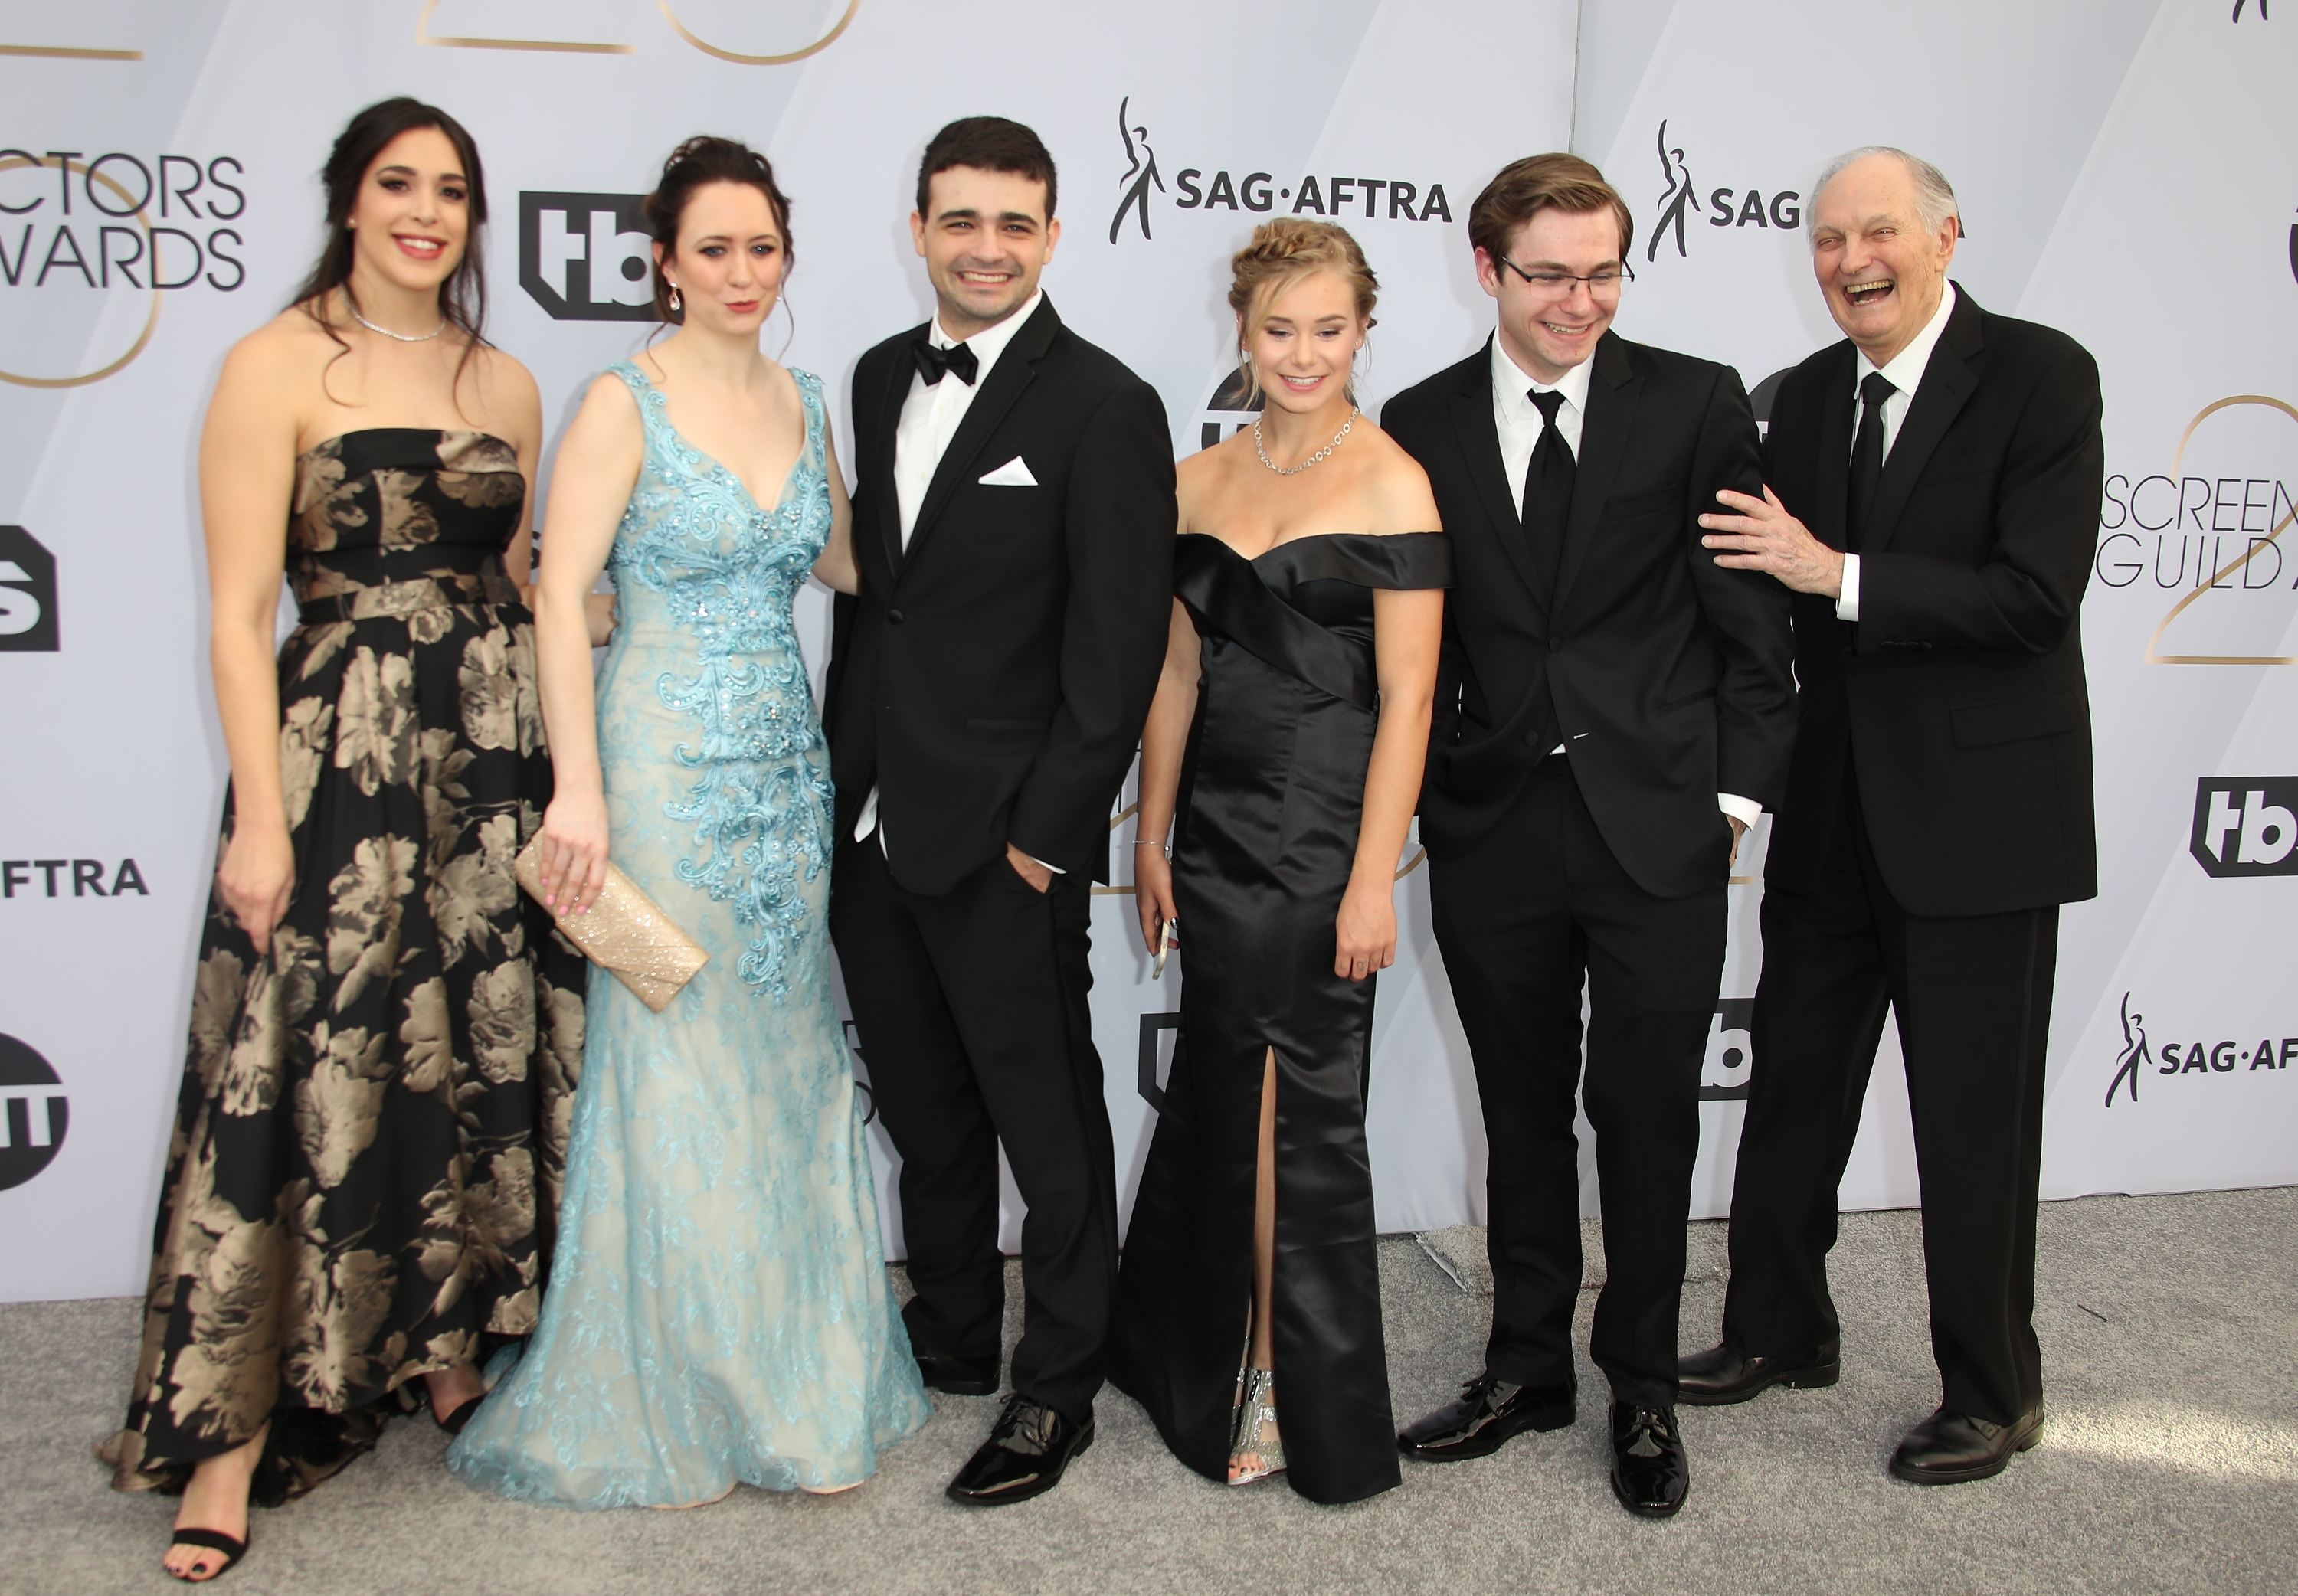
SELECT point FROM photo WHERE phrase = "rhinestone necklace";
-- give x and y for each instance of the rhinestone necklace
(407, 337)
(1322, 454)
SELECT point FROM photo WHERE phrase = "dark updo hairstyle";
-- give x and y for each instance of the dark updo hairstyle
(699, 162)
(463, 296)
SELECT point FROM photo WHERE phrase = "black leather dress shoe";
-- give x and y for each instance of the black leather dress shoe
(1024, 1456)
(1724, 1375)
(959, 1376)
(1947, 1449)
(1482, 1417)
(1650, 1475)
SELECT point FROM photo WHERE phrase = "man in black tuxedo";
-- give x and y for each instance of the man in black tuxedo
(1013, 521)
(1612, 711)
(1933, 499)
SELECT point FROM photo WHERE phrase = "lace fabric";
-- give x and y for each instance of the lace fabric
(718, 1309)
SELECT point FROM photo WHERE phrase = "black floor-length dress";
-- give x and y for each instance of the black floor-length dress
(1272, 795)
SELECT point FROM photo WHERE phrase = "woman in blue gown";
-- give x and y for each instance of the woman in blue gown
(718, 1311)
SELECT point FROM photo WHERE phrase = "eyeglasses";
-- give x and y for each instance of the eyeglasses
(1602, 284)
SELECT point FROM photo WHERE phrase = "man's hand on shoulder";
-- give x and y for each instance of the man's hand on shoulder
(1764, 537)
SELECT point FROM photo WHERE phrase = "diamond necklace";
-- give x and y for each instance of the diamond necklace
(1322, 454)
(405, 337)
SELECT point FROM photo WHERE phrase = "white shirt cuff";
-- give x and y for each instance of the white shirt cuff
(1746, 811)
(1056, 869)
(1847, 602)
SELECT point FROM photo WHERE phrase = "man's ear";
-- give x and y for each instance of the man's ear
(918, 233)
(1053, 235)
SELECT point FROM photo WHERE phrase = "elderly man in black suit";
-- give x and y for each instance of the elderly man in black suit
(1014, 524)
(1613, 709)
(1933, 499)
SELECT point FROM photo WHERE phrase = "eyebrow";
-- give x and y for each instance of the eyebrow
(970, 214)
(408, 172)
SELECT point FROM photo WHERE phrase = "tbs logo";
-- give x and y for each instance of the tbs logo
(28, 593)
(586, 257)
(2245, 825)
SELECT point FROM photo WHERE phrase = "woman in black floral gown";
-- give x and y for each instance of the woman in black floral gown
(365, 1167)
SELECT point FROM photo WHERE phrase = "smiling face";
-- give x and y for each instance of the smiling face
(412, 219)
(1881, 270)
(1546, 331)
(986, 239)
(1303, 338)
(728, 263)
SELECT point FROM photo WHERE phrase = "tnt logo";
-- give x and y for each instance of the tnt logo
(28, 593)
(586, 257)
(2244, 825)
(33, 1114)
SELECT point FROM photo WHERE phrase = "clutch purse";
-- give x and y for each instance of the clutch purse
(625, 931)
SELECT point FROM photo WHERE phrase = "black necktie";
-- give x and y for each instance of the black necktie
(934, 363)
(1866, 457)
(1548, 491)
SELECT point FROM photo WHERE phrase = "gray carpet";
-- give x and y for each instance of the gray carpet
(2170, 1330)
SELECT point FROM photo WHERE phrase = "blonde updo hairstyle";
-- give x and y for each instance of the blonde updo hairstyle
(1281, 253)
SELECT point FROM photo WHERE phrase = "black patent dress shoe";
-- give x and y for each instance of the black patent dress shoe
(1650, 1475)
(1947, 1448)
(1025, 1454)
(1722, 1374)
(959, 1376)
(1477, 1422)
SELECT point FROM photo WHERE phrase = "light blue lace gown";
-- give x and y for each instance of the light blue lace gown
(717, 1308)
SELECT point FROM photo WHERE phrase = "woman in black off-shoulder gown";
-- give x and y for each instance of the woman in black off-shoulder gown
(1264, 841)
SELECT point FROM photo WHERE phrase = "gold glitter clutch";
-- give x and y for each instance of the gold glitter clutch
(625, 931)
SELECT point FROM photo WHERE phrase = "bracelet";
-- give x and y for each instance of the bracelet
(1166, 847)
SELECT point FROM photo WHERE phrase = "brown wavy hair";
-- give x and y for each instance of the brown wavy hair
(1522, 188)
(1280, 254)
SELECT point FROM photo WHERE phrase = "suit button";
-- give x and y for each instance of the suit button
(1556, 645)
(894, 617)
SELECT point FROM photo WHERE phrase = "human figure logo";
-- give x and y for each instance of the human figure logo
(1140, 174)
(1675, 200)
(2134, 1053)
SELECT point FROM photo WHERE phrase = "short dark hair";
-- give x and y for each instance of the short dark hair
(1522, 189)
(701, 160)
(991, 143)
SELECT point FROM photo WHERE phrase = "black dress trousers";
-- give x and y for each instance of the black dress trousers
(1973, 998)
(1522, 918)
(973, 1021)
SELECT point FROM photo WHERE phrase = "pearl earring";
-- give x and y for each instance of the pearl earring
(675, 304)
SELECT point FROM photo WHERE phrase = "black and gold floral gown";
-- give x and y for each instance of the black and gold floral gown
(369, 1148)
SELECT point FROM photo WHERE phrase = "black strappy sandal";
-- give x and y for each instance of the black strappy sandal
(209, 1539)
(454, 1422)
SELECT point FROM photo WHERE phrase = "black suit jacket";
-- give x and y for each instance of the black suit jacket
(1670, 675)
(1959, 695)
(992, 680)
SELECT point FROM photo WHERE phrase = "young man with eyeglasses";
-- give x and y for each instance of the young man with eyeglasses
(1613, 710)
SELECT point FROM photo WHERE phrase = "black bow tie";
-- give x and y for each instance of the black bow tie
(934, 363)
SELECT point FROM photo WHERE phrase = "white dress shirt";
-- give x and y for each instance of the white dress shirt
(1905, 373)
(930, 418)
(1519, 423)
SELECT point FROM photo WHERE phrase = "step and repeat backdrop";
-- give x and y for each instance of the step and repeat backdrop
(2117, 160)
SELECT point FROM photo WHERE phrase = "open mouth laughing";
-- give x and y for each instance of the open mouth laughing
(1869, 291)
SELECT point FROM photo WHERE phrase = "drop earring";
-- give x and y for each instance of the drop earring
(677, 305)
(1244, 357)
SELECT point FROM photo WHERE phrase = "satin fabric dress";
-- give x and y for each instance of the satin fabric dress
(1272, 796)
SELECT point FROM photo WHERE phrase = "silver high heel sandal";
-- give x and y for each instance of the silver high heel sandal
(1255, 1433)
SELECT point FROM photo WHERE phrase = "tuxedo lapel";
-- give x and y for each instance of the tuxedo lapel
(1831, 516)
(1613, 389)
(1947, 384)
(1480, 446)
(1015, 369)
(891, 401)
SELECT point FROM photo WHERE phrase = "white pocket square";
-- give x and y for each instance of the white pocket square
(1014, 474)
